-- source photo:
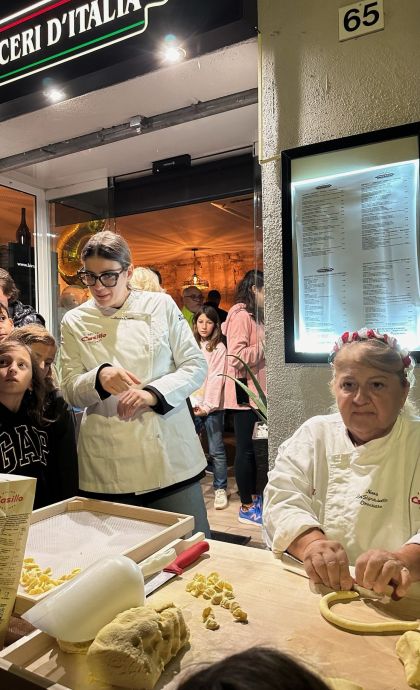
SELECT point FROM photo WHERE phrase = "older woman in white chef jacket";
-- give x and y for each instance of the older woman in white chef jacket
(130, 359)
(346, 487)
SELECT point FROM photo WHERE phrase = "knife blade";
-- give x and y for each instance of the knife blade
(177, 566)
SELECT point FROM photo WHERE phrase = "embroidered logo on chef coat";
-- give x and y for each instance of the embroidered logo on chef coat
(416, 499)
(371, 499)
(93, 337)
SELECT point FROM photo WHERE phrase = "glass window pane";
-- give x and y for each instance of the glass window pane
(18, 257)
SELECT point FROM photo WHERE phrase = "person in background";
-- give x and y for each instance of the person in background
(21, 314)
(129, 358)
(63, 467)
(244, 330)
(72, 296)
(258, 668)
(345, 488)
(157, 273)
(207, 402)
(145, 279)
(213, 300)
(192, 299)
(6, 323)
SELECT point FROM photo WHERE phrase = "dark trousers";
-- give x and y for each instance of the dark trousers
(245, 466)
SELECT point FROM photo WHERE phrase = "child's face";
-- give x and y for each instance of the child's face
(44, 355)
(6, 326)
(205, 327)
(15, 371)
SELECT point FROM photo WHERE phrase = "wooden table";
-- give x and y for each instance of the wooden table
(283, 613)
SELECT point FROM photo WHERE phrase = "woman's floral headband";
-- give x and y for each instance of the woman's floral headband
(372, 334)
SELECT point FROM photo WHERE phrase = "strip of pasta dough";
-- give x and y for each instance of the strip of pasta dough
(356, 626)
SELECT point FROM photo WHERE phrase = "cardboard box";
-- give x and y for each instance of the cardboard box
(16, 501)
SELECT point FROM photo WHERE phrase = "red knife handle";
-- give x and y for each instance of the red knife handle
(187, 557)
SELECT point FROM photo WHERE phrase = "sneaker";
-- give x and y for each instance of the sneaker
(220, 499)
(252, 516)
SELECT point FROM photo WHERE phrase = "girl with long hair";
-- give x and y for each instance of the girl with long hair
(208, 401)
(244, 330)
(63, 471)
(24, 447)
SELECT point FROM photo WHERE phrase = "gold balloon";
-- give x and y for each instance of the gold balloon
(70, 245)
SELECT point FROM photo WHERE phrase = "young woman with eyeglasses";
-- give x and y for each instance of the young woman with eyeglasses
(130, 359)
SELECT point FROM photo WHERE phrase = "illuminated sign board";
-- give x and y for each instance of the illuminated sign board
(51, 32)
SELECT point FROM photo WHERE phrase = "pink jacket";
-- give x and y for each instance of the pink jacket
(245, 338)
(210, 395)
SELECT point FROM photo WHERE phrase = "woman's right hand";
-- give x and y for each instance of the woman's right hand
(116, 380)
(326, 563)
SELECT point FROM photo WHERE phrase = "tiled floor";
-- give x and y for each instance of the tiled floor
(227, 520)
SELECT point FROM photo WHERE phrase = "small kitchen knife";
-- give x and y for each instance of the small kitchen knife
(176, 567)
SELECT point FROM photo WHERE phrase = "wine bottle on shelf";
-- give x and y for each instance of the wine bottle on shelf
(23, 234)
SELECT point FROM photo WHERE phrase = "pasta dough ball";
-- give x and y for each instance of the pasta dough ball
(132, 650)
(408, 650)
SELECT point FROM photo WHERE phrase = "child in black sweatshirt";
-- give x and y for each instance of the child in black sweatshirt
(36, 435)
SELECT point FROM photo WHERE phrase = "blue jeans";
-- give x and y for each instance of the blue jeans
(213, 424)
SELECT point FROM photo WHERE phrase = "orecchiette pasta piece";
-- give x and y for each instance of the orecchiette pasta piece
(217, 598)
(237, 612)
(225, 603)
(228, 594)
(207, 611)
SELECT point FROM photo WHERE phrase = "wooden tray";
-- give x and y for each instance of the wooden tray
(77, 532)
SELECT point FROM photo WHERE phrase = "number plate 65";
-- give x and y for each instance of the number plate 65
(360, 18)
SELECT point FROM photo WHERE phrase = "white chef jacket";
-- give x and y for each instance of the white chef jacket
(149, 337)
(365, 497)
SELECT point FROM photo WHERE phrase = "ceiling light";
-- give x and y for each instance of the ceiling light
(173, 53)
(54, 95)
(195, 280)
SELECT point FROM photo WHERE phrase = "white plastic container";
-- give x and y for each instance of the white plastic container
(76, 611)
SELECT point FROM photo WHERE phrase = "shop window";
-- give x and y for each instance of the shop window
(17, 241)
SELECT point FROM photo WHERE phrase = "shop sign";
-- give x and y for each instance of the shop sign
(51, 32)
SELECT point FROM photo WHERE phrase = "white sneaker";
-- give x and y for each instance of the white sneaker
(220, 499)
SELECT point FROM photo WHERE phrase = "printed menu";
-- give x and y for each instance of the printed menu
(356, 251)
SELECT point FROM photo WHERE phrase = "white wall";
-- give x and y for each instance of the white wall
(315, 88)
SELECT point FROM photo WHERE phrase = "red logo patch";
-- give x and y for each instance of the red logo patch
(93, 337)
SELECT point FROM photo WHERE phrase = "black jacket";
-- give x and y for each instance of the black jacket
(47, 453)
(24, 314)
(63, 471)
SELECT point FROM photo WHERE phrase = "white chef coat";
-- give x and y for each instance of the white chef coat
(149, 337)
(365, 497)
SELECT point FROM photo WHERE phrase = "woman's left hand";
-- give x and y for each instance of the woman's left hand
(133, 401)
(376, 568)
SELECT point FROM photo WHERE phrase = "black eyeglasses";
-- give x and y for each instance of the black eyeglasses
(107, 278)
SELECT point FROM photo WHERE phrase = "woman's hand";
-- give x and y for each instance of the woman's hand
(116, 380)
(376, 568)
(133, 401)
(199, 411)
(326, 563)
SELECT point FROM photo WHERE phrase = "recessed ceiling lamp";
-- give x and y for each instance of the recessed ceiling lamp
(54, 95)
(195, 280)
(172, 51)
